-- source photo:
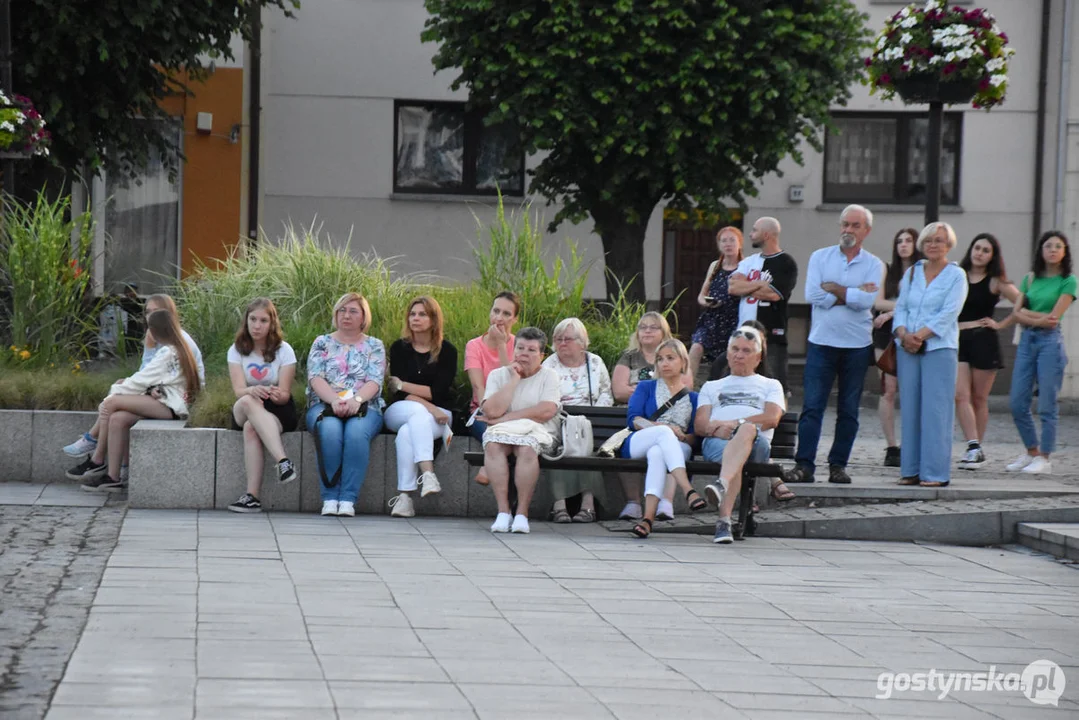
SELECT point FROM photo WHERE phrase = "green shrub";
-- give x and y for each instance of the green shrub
(46, 313)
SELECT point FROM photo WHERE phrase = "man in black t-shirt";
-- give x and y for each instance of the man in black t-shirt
(765, 282)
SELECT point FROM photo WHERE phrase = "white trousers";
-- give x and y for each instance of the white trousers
(664, 452)
(416, 432)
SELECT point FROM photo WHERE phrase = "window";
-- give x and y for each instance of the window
(883, 157)
(440, 147)
(138, 241)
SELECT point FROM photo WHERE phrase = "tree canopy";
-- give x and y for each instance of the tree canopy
(97, 71)
(637, 101)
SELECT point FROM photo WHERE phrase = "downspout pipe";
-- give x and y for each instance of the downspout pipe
(1062, 113)
(255, 118)
(1039, 139)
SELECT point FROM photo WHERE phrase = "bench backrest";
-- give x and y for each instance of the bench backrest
(606, 421)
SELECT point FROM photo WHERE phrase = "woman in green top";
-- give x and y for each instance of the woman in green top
(1046, 294)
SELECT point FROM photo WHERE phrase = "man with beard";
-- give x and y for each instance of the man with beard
(842, 281)
(765, 281)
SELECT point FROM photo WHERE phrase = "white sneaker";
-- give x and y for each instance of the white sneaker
(714, 493)
(973, 459)
(502, 523)
(329, 507)
(81, 447)
(1039, 466)
(520, 525)
(346, 509)
(632, 511)
(665, 510)
(402, 506)
(1019, 463)
(429, 482)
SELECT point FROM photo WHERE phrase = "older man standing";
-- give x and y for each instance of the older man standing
(842, 281)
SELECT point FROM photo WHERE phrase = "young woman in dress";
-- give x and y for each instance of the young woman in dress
(720, 309)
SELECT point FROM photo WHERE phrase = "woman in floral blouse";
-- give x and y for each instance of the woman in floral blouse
(344, 402)
(583, 381)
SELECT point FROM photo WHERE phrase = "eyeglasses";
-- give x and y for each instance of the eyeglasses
(564, 339)
(643, 328)
(351, 312)
(934, 241)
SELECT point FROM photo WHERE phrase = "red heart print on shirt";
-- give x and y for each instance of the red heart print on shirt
(259, 372)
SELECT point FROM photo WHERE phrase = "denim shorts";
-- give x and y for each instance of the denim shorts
(713, 449)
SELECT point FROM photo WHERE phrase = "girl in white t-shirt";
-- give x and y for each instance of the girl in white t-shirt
(262, 366)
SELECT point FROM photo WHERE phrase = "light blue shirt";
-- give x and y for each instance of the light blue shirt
(935, 306)
(848, 325)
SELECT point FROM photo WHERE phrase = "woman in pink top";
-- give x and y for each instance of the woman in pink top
(488, 352)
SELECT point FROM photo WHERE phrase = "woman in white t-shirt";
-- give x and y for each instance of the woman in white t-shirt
(262, 366)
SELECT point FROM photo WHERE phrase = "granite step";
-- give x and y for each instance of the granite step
(1058, 539)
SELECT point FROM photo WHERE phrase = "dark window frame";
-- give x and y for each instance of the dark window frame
(904, 123)
(473, 130)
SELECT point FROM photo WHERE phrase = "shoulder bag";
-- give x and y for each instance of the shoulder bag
(614, 442)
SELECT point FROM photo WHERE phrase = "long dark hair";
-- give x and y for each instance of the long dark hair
(995, 268)
(895, 267)
(166, 331)
(246, 344)
(1039, 259)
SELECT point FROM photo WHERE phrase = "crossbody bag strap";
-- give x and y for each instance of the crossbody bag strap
(669, 404)
(588, 370)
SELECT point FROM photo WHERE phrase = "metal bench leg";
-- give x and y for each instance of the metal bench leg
(745, 506)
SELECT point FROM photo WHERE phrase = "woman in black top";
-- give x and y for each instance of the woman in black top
(904, 255)
(422, 368)
(979, 346)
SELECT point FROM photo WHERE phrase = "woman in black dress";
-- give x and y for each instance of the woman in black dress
(979, 346)
(720, 314)
(904, 255)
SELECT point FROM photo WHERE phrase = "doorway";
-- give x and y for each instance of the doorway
(689, 247)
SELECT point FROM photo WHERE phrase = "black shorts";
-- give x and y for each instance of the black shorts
(285, 413)
(980, 348)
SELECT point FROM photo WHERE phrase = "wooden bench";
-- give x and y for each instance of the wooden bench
(608, 420)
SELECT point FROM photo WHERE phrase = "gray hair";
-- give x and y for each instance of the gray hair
(534, 334)
(931, 229)
(858, 208)
(573, 324)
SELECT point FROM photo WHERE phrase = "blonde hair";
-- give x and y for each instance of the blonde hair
(679, 349)
(571, 323)
(931, 229)
(434, 312)
(353, 297)
(634, 340)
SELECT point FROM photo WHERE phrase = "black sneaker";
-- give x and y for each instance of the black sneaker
(799, 474)
(247, 503)
(104, 484)
(838, 474)
(286, 472)
(87, 470)
(891, 457)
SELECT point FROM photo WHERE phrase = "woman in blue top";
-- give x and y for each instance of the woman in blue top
(667, 440)
(1046, 294)
(926, 323)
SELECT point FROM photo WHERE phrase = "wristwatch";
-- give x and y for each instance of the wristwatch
(741, 422)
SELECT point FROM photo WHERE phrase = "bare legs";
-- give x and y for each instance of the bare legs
(116, 415)
(525, 474)
(261, 429)
(734, 459)
(886, 407)
(696, 352)
(972, 400)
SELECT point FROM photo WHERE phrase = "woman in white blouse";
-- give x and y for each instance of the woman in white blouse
(583, 381)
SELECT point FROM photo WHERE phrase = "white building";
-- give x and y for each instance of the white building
(354, 119)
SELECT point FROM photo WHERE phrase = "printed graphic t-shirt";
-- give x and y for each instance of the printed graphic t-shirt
(259, 372)
(734, 397)
(780, 271)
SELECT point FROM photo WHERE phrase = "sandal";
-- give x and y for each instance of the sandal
(585, 516)
(781, 492)
(561, 516)
(934, 483)
(909, 480)
(695, 505)
(642, 529)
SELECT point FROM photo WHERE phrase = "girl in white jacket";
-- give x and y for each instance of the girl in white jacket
(161, 390)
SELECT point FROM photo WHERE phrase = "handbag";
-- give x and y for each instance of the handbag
(612, 444)
(577, 438)
(887, 360)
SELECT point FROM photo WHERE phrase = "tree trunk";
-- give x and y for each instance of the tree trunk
(623, 252)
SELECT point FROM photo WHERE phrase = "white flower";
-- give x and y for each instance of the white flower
(998, 79)
(909, 22)
(881, 42)
(950, 57)
(964, 54)
(905, 38)
(936, 60)
(932, 5)
(7, 126)
(994, 64)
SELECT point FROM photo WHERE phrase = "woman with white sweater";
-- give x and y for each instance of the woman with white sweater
(161, 390)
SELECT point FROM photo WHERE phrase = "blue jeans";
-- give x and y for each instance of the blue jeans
(926, 392)
(823, 364)
(477, 429)
(346, 446)
(1040, 356)
(713, 447)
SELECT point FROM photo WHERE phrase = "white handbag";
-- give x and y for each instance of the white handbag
(576, 438)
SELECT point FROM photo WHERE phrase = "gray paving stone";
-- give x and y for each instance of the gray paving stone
(247, 694)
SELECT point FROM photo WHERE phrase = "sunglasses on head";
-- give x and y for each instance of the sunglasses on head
(747, 333)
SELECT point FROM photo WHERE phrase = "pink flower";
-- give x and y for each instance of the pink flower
(885, 79)
(984, 84)
(949, 68)
(868, 61)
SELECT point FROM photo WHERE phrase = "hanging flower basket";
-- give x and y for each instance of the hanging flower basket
(936, 53)
(22, 129)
